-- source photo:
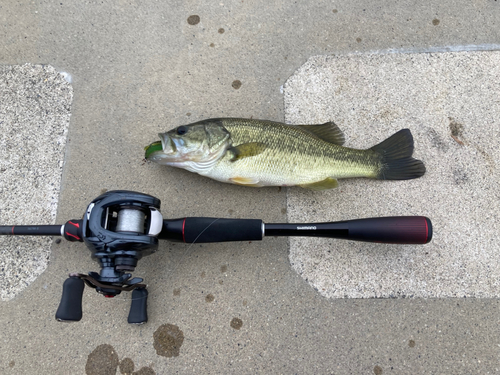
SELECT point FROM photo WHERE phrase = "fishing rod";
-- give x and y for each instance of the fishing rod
(120, 227)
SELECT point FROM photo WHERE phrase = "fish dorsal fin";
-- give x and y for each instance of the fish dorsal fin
(246, 150)
(328, 132)
(327, 183)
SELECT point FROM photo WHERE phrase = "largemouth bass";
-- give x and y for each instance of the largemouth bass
(265, 153)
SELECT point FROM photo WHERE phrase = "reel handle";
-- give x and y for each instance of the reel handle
(70, 308)
(138, 309)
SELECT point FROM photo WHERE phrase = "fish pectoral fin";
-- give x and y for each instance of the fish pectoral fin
(247, 181)
(246, 150)
(327, 183)
(328, 132)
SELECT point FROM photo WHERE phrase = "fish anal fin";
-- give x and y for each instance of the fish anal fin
(246, 181)
(327, 183)
(328, 132)
(246, 150)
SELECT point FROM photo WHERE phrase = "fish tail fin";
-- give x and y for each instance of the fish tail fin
(396, 162)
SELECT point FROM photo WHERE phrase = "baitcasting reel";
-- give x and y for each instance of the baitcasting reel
(120, 227)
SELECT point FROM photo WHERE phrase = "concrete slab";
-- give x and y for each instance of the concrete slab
(140, 67)
(34, 117)
(450, 103)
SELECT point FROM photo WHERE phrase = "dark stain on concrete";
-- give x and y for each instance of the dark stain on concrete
(358, 40)
(436, 140)
(12, 364)
(145, 371)
(335, 11)
(102, 361)
(168, 340)
(456, 128)
(177, 292)
(236, 323)
(203, 274)
(221, 31)
(221, 282)
(223, 268)
(236, 84)
(435, 22)
(377, 370)
(127, 366)
(212, 45)
(411, 343)
(193, 20)
(283, 211)
(460, 177)
(209, 298)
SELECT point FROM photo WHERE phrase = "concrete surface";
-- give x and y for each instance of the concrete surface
(34, 118)
(449, 101)
(141, 67)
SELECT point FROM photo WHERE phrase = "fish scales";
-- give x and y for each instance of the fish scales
(295, 157)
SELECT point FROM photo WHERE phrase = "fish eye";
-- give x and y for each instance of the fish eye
(182, 130)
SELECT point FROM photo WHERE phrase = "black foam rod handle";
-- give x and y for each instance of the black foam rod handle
(70, 308)
(139, 308)
(397, 229)
(207, 229)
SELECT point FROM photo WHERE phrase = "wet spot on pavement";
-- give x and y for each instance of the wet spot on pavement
(168, 340)
(127, 366)
(236, 84)
(436, 140)
(193, 20)
(460, 177)
(457, 130)
(236, 323)
(145, 371)
(102, 361)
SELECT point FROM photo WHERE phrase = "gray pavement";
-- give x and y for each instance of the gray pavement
(142, 67)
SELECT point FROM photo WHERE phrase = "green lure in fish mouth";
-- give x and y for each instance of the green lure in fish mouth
(153, 147)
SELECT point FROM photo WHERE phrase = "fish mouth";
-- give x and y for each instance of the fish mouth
(161, 149)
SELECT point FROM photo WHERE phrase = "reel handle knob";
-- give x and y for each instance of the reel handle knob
(138, 309)
(70, 308)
